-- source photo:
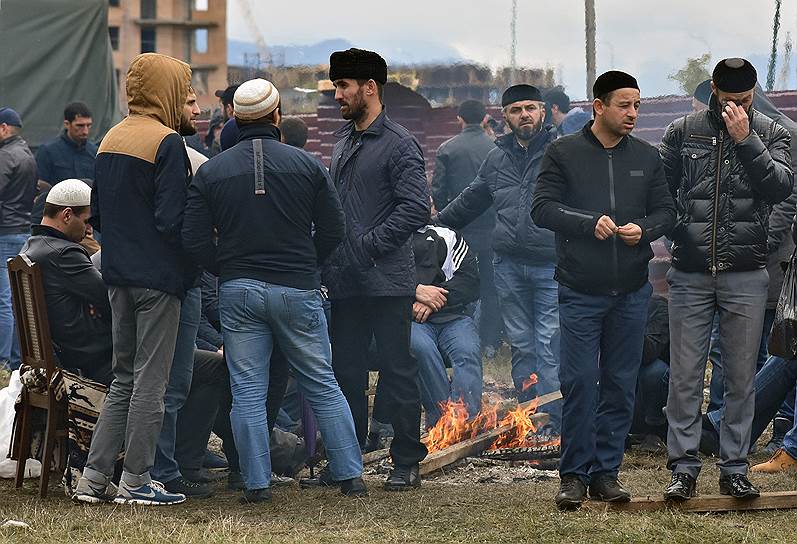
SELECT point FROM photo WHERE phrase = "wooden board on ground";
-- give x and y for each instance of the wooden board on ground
(775, 500)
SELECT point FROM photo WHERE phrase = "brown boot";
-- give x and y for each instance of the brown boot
(780, 462)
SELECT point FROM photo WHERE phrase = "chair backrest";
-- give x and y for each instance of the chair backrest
(30, 313)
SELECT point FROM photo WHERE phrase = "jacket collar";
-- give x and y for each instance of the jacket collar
(472, 129)
(256, 131)
(12, 139)
(44, 230)
(377, 127)
(510, 145)
(70, 142)
(591, 138)
(715, 114)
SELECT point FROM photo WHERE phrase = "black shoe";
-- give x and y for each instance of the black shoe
(403, 477)
(214, 461)
(252, 496)
(354, 487)
(780, 426)
(572, 492)
(191, 490)
(738, 486)
(203, 475)
(608, 489)
(322, 479)
(375, 441)
(709, 438)
(681, 488)
(235, 481)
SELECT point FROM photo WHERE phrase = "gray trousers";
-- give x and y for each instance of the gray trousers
(144, 334)
(740, 299)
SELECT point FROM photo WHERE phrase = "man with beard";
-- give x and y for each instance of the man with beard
(603, 192)
(378, 170)
(137, 204)
(524, 252)
(726, 166)
(166, 468)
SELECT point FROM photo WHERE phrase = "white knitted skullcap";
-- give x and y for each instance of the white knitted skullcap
(70, 192)
(255, 98)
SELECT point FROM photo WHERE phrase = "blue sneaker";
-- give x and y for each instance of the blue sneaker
(151, 494)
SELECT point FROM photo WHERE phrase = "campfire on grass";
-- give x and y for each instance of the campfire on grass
(455, 426)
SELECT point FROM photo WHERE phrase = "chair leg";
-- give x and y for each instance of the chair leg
(23, 437)
(49, 445)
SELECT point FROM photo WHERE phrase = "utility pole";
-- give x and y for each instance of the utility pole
(513, 44)
(773, 57)
(589, 22)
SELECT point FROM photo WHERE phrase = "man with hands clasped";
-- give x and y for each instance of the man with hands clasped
(604, 194)
(726, 166)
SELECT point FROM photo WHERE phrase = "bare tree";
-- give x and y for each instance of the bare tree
(773, 57)
(589, 21)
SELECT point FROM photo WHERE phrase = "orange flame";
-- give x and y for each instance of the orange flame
(455, 425)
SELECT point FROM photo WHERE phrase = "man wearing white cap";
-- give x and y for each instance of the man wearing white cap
(277, 216)
(77, 299)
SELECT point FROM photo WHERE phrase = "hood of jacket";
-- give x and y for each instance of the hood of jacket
(157, 86)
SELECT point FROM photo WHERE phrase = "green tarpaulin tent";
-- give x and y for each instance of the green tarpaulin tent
(53, 52)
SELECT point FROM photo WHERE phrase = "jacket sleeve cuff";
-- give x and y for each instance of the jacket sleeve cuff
(750, 148)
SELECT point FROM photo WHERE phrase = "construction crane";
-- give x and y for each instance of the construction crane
(249, 18)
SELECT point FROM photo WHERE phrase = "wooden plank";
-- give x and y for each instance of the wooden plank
(375, 456)
(773, 500)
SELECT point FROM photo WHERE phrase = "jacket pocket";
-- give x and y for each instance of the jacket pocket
(695, 165)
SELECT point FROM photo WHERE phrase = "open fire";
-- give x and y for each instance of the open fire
(455, 425)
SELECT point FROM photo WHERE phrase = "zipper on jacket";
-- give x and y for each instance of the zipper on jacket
(613, 211)
(716, 210)
(713, 139)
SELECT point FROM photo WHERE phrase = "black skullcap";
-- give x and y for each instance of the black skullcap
(357, 64)
(227, 94)
(611, 81)
(516, 93)
(734, 75)
(472, 112)
(703, 92)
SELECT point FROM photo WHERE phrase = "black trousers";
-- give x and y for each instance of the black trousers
(355, 321)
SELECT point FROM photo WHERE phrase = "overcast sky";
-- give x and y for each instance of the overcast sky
(648, 38)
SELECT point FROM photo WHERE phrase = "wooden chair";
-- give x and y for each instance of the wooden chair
(36, 350)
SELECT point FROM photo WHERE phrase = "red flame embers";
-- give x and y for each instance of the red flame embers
(455, 425)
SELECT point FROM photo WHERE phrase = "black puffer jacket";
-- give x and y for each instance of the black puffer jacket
(723, 190)
(507, 180)
(381, 180)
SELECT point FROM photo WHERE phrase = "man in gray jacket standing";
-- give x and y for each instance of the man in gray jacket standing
(17, 189)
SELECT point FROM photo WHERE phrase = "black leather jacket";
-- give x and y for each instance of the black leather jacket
(77, 300)
(724, 191)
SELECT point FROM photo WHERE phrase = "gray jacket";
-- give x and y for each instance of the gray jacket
(456, 166)
(17, 185)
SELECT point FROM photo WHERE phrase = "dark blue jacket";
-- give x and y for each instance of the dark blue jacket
(382, 185)
(264, 236)
(507, 180)
(61, 159)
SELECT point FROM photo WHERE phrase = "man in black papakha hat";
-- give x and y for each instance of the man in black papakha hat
(378, 170)
(525, 254)
(726, 166)
(604, 194)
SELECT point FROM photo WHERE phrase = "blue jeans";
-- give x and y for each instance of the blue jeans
(10, 244)
(457, 342)
(652, 386)
(602, 338)
(529, 306)
(774, 384)
(255, 315)
(180, 376)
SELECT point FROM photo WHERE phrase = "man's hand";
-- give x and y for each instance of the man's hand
(630, 233)
(605, 228)
(421, 312)
(736, 121)
(434, 297)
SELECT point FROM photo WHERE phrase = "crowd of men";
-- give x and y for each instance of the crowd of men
(232, 265)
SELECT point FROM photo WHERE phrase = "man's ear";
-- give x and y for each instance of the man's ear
(66, 123)
(597, 106)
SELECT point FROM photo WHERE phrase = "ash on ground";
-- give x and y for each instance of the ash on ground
(476, 470)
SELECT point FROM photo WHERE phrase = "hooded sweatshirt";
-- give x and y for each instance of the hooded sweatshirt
(141, 176)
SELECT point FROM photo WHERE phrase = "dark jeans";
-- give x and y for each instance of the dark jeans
(717, 388)
(209, 384)
(489, 316)
(386, 319)
(651, 397)
(774, 384)
(601, 352)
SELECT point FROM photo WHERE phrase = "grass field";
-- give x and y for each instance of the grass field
(435, 513)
